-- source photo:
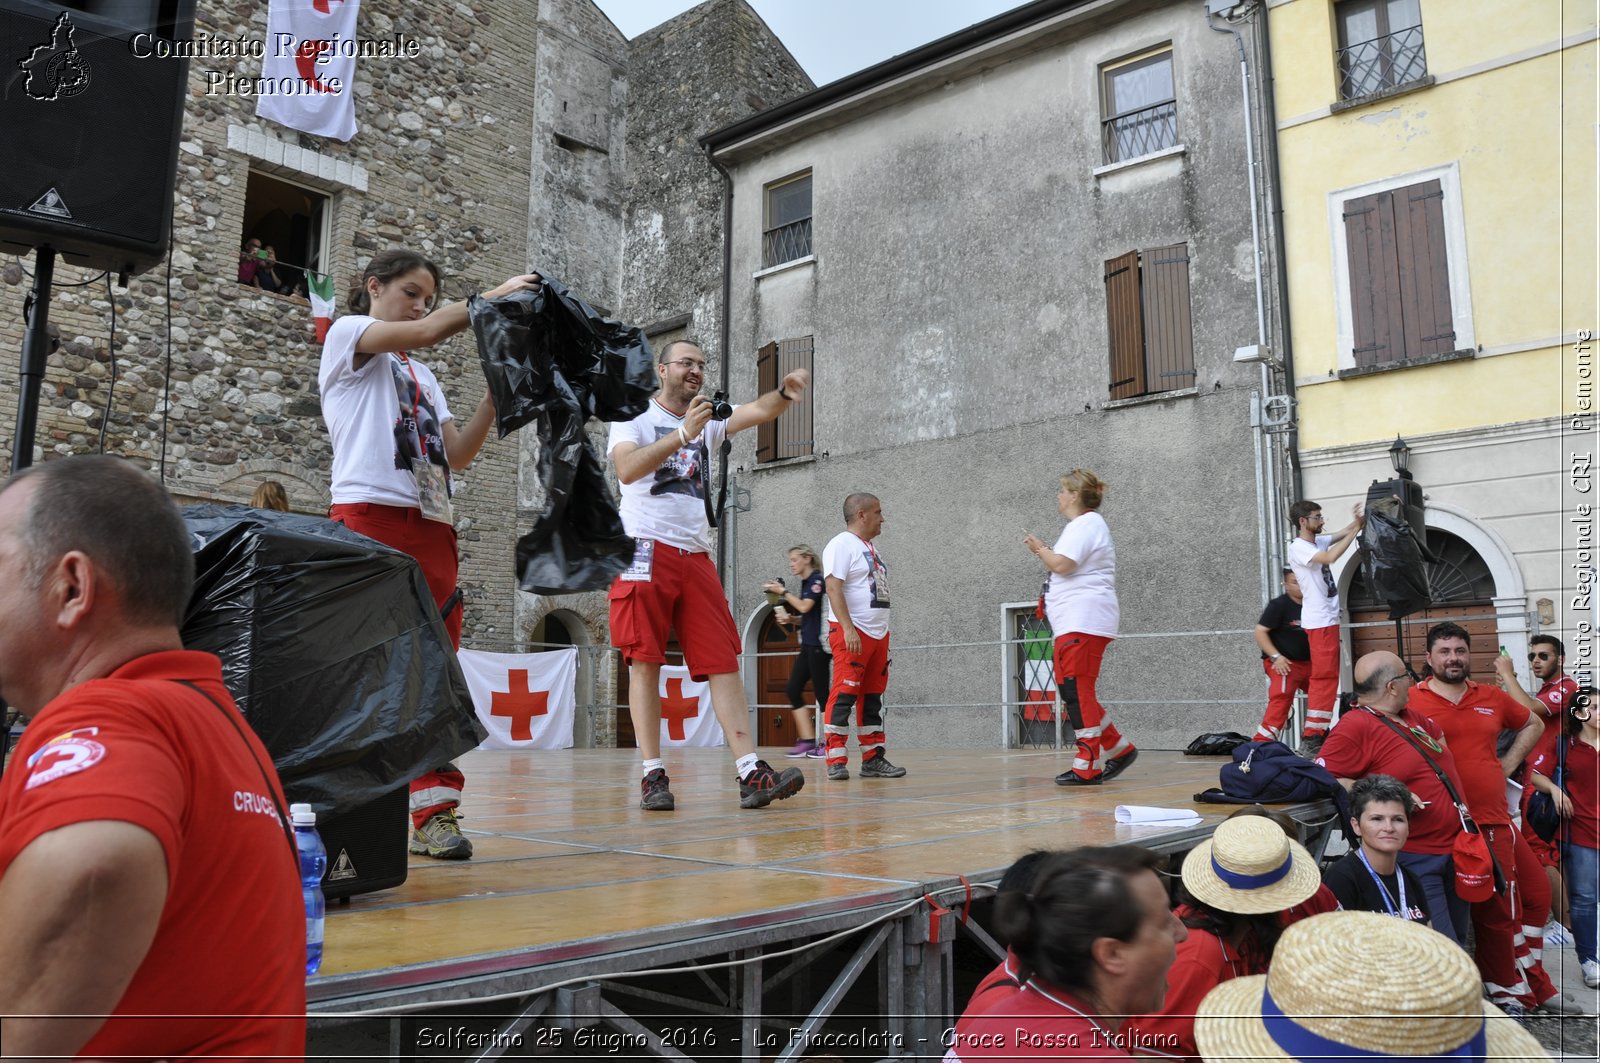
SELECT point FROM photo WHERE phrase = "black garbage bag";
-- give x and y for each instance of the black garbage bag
(333, 649)
(1392, 560)
(554, 362)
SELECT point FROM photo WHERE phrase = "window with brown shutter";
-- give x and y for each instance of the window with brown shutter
(1399, 275)
(1148, 321)
(790, 435)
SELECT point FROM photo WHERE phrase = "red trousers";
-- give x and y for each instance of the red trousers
(1280, 695)
(1323, 693)
(1497, 924)
(855, 700)
(433, 544)
(1077, 661)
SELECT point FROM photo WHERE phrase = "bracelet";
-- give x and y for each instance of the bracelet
(786, 396)
(683, 436)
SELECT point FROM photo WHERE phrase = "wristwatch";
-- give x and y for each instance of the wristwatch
(1275, 656)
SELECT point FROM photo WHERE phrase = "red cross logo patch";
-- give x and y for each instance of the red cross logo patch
(62, 758)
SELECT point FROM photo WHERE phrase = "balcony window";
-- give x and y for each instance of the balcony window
(1380, 46)
(1139, 106)
(786, 231)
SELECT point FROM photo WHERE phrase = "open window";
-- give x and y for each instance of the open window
(1147, 316)
(285, 230)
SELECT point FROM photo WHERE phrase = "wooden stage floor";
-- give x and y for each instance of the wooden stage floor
(567, 866)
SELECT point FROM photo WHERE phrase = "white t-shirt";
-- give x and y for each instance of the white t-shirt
(1086, 601)
(382, 417)
(668, 505)
(1321, 605)
(858, 565)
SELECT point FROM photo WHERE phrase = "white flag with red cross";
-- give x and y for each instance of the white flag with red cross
(524, 700)
(308, 66)
(686, 716)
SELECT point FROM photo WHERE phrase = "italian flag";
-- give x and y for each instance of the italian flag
(320, 289)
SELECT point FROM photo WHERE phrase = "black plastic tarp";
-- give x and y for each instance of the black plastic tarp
(1392, 560)
(332, 647)
(553, 361)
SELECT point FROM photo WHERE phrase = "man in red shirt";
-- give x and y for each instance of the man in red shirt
(148, 886)
(1547, 659)
(1365, 742)
(1472, 715)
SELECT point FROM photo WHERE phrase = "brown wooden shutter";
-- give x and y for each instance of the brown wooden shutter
(1168, 331)
(767, 378)
(1124, 324)
(794, 423)
(1424, 271)
(1375, 309)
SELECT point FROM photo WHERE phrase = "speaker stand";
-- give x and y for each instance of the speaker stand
(35, 348)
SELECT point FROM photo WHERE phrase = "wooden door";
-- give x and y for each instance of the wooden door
(777, 647)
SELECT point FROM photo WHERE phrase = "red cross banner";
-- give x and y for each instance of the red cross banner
(524, 700)
(686, 716)
(308, 67)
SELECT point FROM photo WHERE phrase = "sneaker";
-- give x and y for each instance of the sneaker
(803, 748)
(1556, 936)
(1591, 973)
(1072, 778)
(879, 767)
(1117, 765)
(441, 838)
(838, 771)
(818, 752)
(656, 797)
(1560, 1005)
(763, 785)
(1311, 746)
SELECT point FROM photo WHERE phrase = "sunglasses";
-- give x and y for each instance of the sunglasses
(1542, 655)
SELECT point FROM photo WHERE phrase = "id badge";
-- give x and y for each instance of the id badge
(433, 492)
(644, 553)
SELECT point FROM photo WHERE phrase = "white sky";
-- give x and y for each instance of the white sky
(832, 38)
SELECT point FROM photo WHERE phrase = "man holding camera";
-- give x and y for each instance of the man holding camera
(663, 460)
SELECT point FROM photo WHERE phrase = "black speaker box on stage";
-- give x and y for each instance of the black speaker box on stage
(90, 119)
(366, 845)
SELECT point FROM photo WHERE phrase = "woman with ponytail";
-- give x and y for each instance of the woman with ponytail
(395, 443)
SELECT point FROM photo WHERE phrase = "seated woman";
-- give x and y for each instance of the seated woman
(1239, 884)
(1370, 878)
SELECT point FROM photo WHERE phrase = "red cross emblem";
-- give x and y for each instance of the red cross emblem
(52, 757)
(675, 709)
(519, 704)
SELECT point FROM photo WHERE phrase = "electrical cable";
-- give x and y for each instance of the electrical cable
(166, 383)
(111, 348)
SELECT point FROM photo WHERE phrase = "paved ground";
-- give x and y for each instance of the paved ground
(1568, 1038)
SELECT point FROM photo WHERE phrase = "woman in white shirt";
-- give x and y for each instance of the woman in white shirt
(1081, 603)
(395, 443)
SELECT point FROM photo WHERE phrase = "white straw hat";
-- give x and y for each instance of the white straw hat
(1358, 985)
(1251, 867)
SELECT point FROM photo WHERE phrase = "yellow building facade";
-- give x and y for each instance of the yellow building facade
(1437, 176)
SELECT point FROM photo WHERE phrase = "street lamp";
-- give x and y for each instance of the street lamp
(1400, 457)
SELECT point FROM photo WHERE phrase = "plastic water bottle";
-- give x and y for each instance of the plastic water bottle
(313, 862)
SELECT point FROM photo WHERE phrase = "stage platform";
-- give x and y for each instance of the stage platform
(572, 883)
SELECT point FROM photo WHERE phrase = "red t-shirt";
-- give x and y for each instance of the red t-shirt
(228, 959)
(1204, 962)
(1472, 727)
(1555, 695)
(1361, 744)
(1582, 783)
(1032, 1022)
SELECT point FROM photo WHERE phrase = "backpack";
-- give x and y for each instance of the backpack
(1270, 773)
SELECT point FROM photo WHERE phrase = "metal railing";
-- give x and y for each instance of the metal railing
(1141, 132)
(786, 243)
(1382, 63)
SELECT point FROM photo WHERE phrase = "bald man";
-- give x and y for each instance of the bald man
(1368, 740)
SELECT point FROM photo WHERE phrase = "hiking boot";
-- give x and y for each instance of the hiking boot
(440, 837)
(803, 748)
(879, 768)
(656, 797)
(1311, 746)
(763, 785)
(1117, 765)
(1560, 1005)
(839, 771)
(1072, 778)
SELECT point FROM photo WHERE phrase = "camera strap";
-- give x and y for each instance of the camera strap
(714, 512)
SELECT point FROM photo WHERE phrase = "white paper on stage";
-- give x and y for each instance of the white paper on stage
(308, 67)
(1151, 815)
(524, 700)
(686, 716)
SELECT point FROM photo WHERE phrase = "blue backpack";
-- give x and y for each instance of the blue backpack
(1270, 773)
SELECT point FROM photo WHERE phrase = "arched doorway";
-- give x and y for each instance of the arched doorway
(1462, 589)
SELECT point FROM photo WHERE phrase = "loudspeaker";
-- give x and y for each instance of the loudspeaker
(367, 845)
(90, 115)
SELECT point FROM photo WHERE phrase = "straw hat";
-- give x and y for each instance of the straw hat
(1346, 984)
(1251, 867)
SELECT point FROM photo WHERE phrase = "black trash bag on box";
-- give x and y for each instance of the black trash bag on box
(1392, 560)
(1215, 744)
(332, 646)
(552, 361)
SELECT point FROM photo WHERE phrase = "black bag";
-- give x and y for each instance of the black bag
(1270, 773)
(1541, 816)
(1215, 744)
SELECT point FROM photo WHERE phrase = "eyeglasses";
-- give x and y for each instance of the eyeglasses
(1543, 655)
(687, 364)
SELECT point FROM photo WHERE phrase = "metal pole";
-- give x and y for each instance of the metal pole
(35, 348)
